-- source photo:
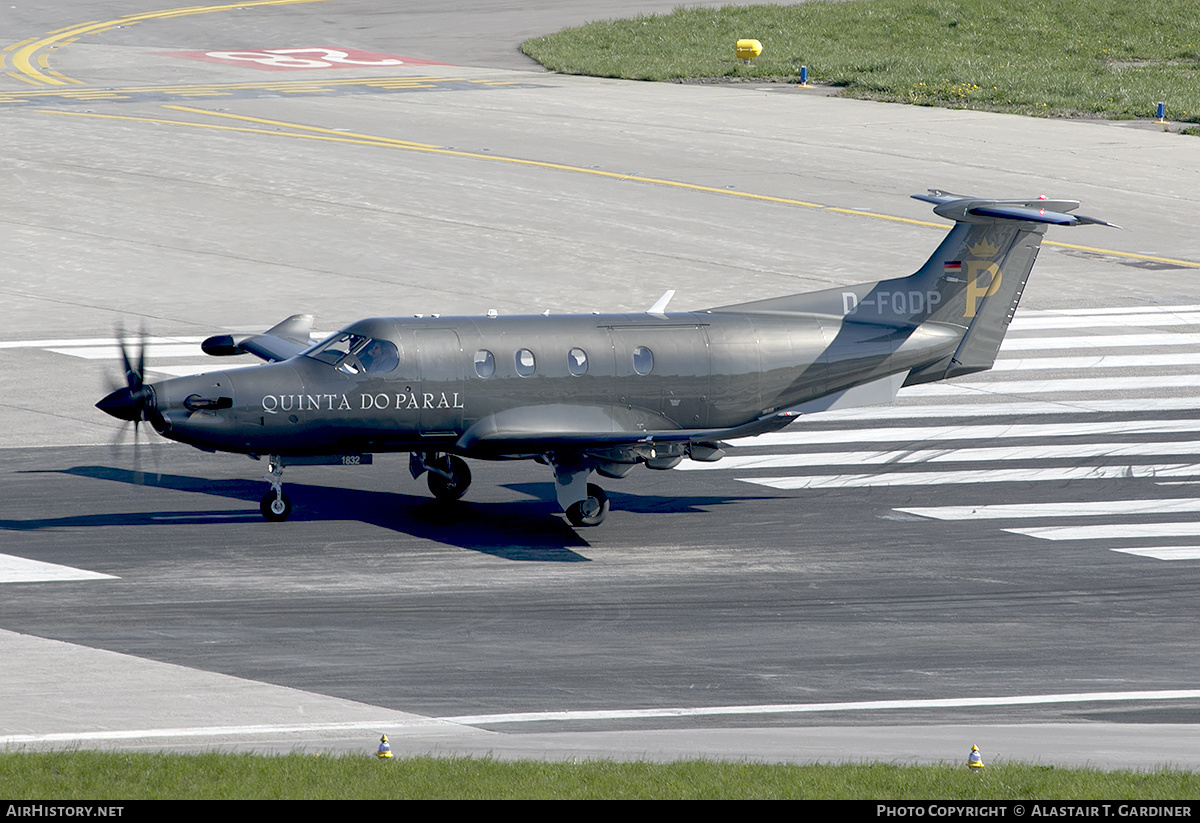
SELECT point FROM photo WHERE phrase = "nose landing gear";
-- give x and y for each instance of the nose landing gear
(275, 505)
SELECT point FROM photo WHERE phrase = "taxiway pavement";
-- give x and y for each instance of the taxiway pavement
(831, 599)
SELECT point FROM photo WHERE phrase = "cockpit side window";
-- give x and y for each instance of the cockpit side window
(379, 356)
(352, 353)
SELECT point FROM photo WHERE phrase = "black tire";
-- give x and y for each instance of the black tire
(275, 508)
(451, 490)
(590, 512)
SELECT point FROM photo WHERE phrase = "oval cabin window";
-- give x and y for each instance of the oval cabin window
(525, 362)
(485, 363)
(643, 360)
(577, 361)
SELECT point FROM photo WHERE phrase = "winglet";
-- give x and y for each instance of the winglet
(660, 305)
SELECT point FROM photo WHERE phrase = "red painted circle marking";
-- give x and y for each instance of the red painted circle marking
(303, 59)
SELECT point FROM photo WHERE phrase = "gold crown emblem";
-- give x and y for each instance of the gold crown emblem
(984, 248)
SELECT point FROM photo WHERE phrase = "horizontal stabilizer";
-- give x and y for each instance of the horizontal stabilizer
(1035, 210)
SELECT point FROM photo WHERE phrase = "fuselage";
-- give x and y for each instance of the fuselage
(601, 394)
(444, 376)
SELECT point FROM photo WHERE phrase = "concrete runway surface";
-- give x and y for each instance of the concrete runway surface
(1008, 560)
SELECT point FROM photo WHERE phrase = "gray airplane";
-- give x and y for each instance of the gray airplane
(601, 392)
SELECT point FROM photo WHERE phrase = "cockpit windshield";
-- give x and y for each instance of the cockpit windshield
(335, 347)
(354, 353)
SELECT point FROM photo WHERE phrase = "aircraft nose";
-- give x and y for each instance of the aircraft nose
(125, 404)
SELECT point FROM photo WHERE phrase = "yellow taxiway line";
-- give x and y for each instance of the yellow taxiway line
(25, 53)
(302, 131)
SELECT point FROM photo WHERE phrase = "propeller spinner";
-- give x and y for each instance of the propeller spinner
(135, 401)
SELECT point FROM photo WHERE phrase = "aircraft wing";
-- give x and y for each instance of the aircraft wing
(280, 342)
(537, 429)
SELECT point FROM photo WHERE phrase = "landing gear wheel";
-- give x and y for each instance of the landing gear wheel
(454, 487)
(275, 507)
(590, 512)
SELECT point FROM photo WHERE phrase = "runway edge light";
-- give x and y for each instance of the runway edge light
(748, 49)
(385, 748)
(974, 759)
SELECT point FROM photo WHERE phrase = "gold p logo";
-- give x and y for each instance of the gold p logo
(976, 292)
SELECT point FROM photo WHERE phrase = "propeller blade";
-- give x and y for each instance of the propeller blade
(131, 400)
(141, 361)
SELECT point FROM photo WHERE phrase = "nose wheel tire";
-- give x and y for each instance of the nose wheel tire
(451, 488)
(589, 512)
(275, 507)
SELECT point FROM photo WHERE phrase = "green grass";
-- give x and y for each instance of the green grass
(81, 775)
(1105, 58)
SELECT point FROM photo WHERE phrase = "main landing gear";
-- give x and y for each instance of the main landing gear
(449, 477)
(585, 503)
(592, 510)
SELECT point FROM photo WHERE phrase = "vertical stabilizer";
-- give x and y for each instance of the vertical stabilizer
(973, 281)
(990, 268)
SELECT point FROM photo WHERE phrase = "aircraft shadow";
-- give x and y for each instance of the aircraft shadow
(531, 530)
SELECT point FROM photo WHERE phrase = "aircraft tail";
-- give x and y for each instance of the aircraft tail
(973, 280)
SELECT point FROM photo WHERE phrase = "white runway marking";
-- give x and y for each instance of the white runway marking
(392, 726)
(902, 457)
(112, 352)
(1099, 361)
(1166, 552)
(1093, 342)
(812, 708)
(1055, 386)
(1100, 313)
(797, 435)
(901, 411)
(23, 570)
(1097, 341)
(1111, 531)
(208, 731)
(1092, 508)
(110, 343)
(1029, 320)
(947, 478)
(1050, 451)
